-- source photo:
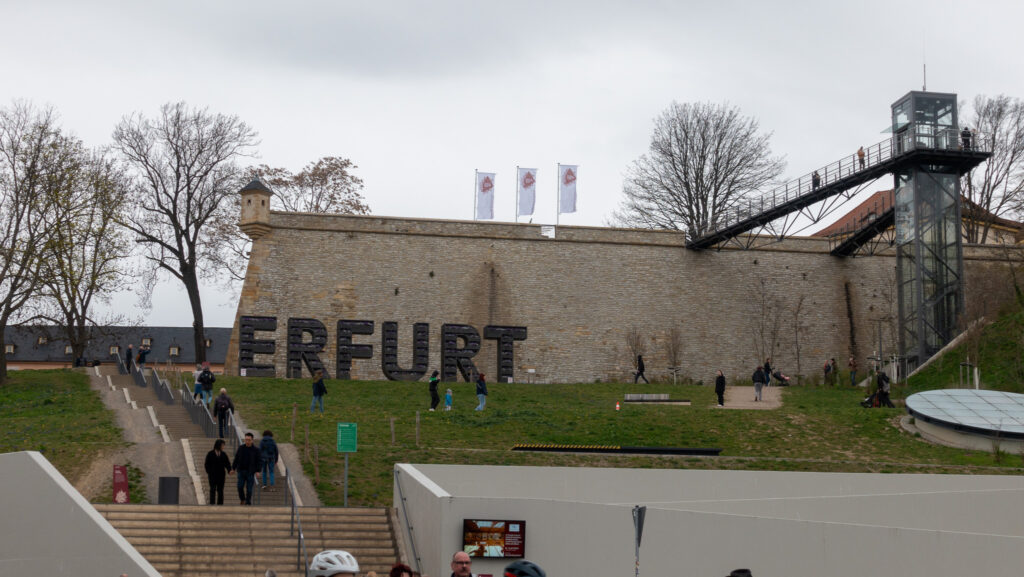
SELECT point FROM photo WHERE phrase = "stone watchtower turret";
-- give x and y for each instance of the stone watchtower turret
(255, 216)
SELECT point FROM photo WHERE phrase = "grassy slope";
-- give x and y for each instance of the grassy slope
(816, 429)
(56, 413)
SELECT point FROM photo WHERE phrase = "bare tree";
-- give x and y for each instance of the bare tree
(184, 164)
(673, 346)
(704, 159)
(35, 161)
(996, 187)
(798, 329)
(86, 258)
(636, 342)
(324, 186)
(768, 321)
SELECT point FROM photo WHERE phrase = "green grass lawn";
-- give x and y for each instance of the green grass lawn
(56, 413)
(817, 429)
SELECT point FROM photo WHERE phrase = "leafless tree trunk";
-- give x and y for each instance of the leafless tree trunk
(35, 161)
(768, 322)
(798, 327)
(704, 159)
(636, 342)
(673, 346)
(995, 188)
(184, 164)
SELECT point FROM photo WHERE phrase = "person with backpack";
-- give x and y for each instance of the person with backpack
(197, 388)
(268, 454)
(221, 407)
(883, 390)
(206, 379)
(319, 390)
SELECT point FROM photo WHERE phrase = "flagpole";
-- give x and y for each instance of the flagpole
(476, 180)
(558, 193)
(516, 207)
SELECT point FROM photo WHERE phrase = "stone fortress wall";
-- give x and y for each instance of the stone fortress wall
(578, 295)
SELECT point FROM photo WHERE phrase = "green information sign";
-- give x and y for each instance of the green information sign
(346, 437)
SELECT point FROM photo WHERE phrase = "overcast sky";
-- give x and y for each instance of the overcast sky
(419, 94)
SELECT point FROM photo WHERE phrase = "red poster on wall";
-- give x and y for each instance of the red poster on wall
(121, 484)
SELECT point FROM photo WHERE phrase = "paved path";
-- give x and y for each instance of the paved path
(743, 398)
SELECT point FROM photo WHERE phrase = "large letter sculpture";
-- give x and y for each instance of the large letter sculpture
(249, 345)
(300, 351)
(505, 337)
(455, 359)
(389, 352)
(347, 351)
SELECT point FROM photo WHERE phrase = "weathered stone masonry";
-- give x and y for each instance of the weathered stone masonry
(577, 295)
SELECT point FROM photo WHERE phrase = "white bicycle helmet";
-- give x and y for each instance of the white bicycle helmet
(329, 563)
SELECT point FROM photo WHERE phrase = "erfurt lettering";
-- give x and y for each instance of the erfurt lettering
(307, 338)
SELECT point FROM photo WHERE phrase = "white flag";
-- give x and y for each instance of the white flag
(567, 188)
(527, 190)
(484, 195)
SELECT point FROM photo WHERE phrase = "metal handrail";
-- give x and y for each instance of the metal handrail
(408, 522)
(918, 137)
(199, 413)
(301, 559)
(121, 369)
(162, 388)
(137, 375)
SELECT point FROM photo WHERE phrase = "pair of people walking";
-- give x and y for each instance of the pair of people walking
(250, 463)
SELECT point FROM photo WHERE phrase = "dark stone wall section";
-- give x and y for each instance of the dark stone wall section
(506, 337)
(389, 352)
(348, 351)
(249, 345)
(456, 359)
(301, 351)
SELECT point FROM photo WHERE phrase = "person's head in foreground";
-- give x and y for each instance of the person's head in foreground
(461, 564)
(333, 563)
(400, 570)
(523, 568)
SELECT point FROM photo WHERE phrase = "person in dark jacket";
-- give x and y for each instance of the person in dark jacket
(319, 390)
(206, 380)
(759, 381)
(768, 371)
(720, 388)
(434, 397)
(883, 390)
(640, 370)
(481, 391)
(268, 454)
(143, 353)
(128, 358)
(217, 467)
(221, 407)
(247, 467)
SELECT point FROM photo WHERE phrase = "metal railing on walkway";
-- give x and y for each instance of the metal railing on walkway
(302, 561)
(917, 144)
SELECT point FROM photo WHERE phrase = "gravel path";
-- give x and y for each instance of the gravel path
(743, 398)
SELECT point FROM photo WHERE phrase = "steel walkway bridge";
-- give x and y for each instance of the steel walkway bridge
(839, 179)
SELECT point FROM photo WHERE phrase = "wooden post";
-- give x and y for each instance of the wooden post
(295, 413)
(392, 430)
(305, 445)
(417, 428)
(316, 463)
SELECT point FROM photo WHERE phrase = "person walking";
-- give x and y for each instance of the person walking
(965, 138)
(883, 390)
(206, 379)
(852, 364)
(319, 390)
(835, 371)
(758, 379)
(268, 456)
(247, 467)
(828, 373)
(481, 391)
(815, 180)
(217, 467)
(128, 358)
(197, 387)
(448, 399)
(221, 407)
(768, 371)
(860, 157)
(640, 370)
(434, 398)
(720, 388)
(143, 353)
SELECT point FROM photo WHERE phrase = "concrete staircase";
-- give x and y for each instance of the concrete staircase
(204, 541)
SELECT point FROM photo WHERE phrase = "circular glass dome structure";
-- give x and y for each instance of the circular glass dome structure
(988, 413)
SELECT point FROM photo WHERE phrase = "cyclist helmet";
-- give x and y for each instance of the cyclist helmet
(524, 568)
(329, 563)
